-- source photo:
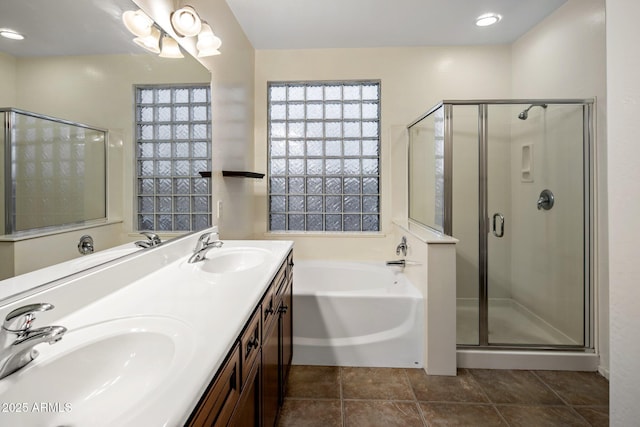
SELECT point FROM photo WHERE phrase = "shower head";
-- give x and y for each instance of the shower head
(525, 114)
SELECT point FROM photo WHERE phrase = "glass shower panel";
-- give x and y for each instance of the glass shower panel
(57, 173)
(426, 170)
(535, 247)
(464, 141)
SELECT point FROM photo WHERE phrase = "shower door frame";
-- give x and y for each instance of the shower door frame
(484, 221)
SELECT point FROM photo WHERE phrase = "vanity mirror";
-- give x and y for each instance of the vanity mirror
(78, 62)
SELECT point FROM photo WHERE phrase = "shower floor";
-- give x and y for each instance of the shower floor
(509, 323)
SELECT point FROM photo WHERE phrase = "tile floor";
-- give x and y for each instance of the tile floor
(328, 396)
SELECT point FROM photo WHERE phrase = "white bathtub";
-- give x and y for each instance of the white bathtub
(356, 314)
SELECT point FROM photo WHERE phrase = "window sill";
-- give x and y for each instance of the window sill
(325, 234)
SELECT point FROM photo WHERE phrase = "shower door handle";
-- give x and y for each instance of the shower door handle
(498, 216)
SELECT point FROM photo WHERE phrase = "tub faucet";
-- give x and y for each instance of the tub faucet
(18, 339)
(205, 244)
(152, 240)
(402, 247)
(397, 263)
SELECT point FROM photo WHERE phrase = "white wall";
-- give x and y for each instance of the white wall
(623, 109)
(413, 80)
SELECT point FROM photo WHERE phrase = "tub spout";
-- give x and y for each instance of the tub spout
(397, 263)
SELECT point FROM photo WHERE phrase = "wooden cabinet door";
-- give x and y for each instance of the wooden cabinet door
(270, 376)
(216, 407)
(247, 413)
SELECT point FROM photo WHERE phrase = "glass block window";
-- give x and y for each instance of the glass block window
(324, 156)
(173, 134)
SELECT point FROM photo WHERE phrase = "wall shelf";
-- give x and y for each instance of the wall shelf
(243, 174)
(237, 174)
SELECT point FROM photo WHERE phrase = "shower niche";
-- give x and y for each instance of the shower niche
(477, 171)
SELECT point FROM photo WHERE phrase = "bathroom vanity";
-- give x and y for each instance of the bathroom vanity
(249, 389)
(155, 340)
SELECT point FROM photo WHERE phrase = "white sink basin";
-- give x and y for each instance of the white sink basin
(98, 374)
(231, 260)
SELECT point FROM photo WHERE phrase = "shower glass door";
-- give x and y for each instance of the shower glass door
(533, 173)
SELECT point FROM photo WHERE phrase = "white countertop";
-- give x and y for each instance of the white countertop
(205, 312)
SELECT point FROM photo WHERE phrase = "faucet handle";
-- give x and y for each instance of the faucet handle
(153, 237)
(21, 319)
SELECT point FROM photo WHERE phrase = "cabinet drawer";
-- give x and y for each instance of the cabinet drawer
(250, 345)
(216, 407)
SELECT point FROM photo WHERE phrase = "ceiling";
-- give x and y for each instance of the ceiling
(66, 27)
(304, 24)
(73, 27)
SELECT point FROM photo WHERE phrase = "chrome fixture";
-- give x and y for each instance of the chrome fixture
(205, 244)
(525, 114)
(546, 200)
(397, 263)
(494, 228)
(152, 240)
(17, 339)
(85, 245)
(402, 247)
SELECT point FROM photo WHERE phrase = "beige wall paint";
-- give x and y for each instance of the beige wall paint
(623, 150)
(564, 57)
(413, 80)
(7, 80)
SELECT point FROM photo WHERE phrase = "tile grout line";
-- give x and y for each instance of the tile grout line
(561, 398)
(550, 388)
(486, 395)
(413, 392)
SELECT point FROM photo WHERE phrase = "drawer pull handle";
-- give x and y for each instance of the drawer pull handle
(253, 343)
(283, 309)
(269, 310)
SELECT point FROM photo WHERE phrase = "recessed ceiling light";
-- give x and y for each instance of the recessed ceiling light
(10, 34)
(487, 19)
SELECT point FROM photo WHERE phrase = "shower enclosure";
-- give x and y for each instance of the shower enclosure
(53, 172)
(511, 179)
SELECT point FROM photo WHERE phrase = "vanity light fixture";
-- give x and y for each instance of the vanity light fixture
(137, 22)
(186, 22)
(11, 34)
(170, 48)
(150, 42)
(208, 43)
(488, 19)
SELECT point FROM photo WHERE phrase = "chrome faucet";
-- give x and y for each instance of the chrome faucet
(17, 338)
(205, 244)
(152, 240)
(402, 247)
